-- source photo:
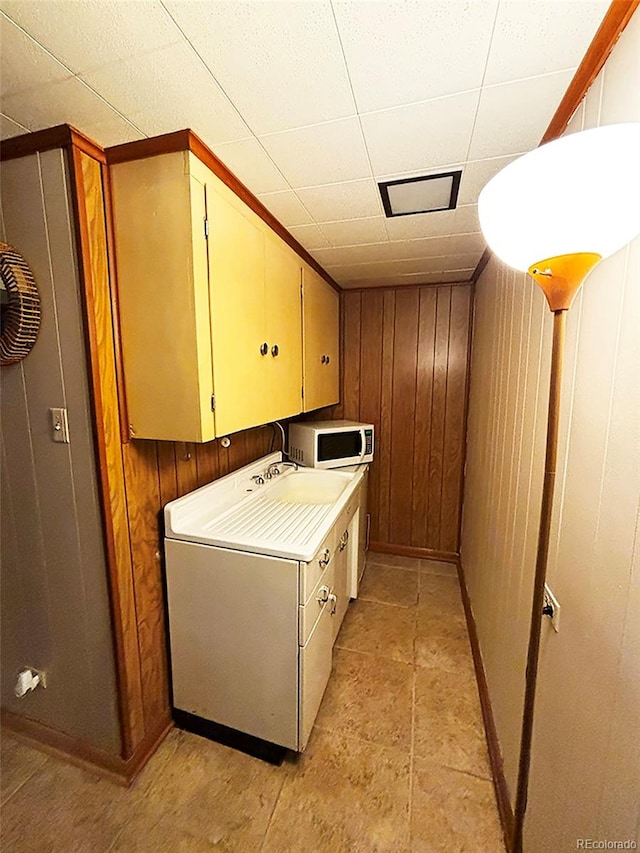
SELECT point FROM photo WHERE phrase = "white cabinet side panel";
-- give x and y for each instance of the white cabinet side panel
(234, 638)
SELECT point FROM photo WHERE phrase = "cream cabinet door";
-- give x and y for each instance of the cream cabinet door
(320, 312)
(283, 271)
(241, 358)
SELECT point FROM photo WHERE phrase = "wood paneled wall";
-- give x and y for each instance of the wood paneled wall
(405, 358)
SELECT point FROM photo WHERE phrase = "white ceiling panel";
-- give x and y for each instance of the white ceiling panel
(476, 173)
(310, 236)
(286, 207)
(420, 136)
(250, 163)
(89, 34)
(462, 220)
(9, 127)
(71, 102)
(400, 53)
(168, 90)
(280, 63)
(460, 276)
(536, 38)
(411, 266)
(321, 154)
(351, 200)
(398, 250)
(24, 64)
(352, 232)
(513, 116)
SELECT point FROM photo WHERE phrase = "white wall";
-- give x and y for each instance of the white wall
(585, 775)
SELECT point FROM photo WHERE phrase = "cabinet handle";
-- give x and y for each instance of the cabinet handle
(333, 598)
(323, 359)
(264, 349)
(328, 359)
(344, 540)
(274, 350)
(324, 594)
(324, 561)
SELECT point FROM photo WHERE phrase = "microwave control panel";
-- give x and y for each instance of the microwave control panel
(368, 441)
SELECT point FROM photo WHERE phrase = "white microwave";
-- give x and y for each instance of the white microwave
(330, 444)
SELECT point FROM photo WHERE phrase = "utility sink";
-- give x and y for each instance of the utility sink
(309, 487)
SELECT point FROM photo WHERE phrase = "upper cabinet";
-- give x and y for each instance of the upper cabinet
(210, 301)
(321, 335)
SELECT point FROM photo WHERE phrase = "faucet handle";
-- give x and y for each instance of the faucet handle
(258, 478)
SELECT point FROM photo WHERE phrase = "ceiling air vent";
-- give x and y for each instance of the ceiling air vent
(425, 194)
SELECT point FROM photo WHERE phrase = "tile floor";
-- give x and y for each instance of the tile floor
(396, 762)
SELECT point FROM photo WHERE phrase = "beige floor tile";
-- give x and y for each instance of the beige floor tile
(452, 811)
(346, 796)
(18, 761)
(221, 795)
(143, 834)
(448, 725)
(62, 808)
(370, 698)
(443, 643)
(379, 629)
(439, 567)
(388, 585)
(393, 560)
(440, 595)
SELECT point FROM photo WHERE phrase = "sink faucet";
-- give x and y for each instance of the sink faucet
(274, 469)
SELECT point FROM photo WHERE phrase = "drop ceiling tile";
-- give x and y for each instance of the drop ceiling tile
(420, 136)
(168, 90)
(401, 249)
(248, 160)
(352, 232)
(310, 236)
(477, 173)
(280, 63)
(397, 53)
(350, 200)
(620, 97)
(9, 127)
(411, 266)
(89, 34)
(535, 37)
(71, 102)
(459, 221)
(461, 276)
(322, 154)
(286, 207)
(514, 116)
(24, 64)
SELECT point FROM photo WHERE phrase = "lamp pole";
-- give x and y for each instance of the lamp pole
(560, 279)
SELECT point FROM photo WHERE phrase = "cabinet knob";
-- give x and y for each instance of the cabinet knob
(324, 561)
(264, 349)
(333, 599)
(274, 350)
(328, 359)
(323, 359)
(323, 594)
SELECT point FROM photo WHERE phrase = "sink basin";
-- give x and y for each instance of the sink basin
(309, 487)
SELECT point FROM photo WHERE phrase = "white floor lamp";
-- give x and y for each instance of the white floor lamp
(556, 213)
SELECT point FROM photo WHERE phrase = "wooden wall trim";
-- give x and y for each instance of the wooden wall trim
(187, 140)
(93, 270)
(493, 745)
(61, 136)
(409, 551)
(613, 24)
(63, 746)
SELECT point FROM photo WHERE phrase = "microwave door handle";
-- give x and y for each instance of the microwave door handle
(363, 445)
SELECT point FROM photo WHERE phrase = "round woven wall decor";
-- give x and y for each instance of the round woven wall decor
(21, 317)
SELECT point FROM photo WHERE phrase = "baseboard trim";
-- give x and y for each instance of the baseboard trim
(409, 551)
(82, 754)
(495, 757)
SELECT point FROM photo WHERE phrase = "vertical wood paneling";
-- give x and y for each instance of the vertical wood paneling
(409, 380)
(424, 400)
(403, 408)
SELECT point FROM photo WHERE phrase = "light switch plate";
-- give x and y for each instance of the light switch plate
(59, 425)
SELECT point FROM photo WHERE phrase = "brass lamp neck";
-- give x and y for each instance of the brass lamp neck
(560, 277)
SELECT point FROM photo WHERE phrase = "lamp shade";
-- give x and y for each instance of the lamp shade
(579, 193)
